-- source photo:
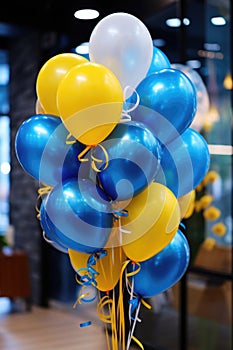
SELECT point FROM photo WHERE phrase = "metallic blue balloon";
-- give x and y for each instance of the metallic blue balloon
(51, 236)
(42, 151)
(159, 61)
(134, 156)
(163, 270)
(184, 163)
(78, 215)
(167, 103)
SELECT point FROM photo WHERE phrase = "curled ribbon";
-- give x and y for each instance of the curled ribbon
(134, 305)
(42, 191)
(87, 277)
(125, 116)
(94, 159)
(68, 141)
(97, 160)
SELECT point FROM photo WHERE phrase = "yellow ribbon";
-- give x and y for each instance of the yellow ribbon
(81, 154)
(42, 191)
(109, 318)
(94, 160)
(97, 160)
(70, 142)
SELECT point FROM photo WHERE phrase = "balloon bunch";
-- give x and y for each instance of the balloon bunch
(112, 145)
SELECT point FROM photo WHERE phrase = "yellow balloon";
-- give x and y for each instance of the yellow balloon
(50, 76)
(90, 102)
(153, 220)
(187, 204)
(109, 266)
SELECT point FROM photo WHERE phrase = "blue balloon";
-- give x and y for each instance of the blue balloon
(164, 269)
(42, 151)
(167, 103)
(51, 236)
(78, 215)
(134, 156)
(159, 61)
(184, 163)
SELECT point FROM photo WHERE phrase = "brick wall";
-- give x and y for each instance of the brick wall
(24, 64)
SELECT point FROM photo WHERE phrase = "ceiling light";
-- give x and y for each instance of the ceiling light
(212, 46)
(5, 168)
(159, 42)
(82, 49)
(176, 22)
(218, 21)
(86, 14)
(194, 63)
(173, 22)
(186, 21)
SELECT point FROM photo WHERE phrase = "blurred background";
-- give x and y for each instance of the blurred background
(195, 35)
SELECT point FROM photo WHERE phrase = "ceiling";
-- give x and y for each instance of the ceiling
(57, 16)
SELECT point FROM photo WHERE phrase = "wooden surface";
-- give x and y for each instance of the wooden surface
(52, 329)
(47, 329)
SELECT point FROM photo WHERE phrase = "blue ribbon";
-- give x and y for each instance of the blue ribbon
(85, 324)
(89, 278)
(134, 304)
(117, 214)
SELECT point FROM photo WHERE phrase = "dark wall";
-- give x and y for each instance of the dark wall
(24, 54)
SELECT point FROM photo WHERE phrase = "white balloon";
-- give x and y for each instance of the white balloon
(122, 43)
(203, 102)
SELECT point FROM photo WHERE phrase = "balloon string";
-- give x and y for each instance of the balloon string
(94, 159)
(131, 336)
(125, 116)
(46, 239)
(88, 278)
(68, 141)
(120, 308)
(135, 304)
(97, 160)
(137, 342)
(109, 317)
(46, 189)
(81, 154)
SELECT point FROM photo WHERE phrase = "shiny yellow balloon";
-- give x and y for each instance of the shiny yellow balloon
(153, 220)
(90, 102)
(109, 266)
(49, 78)
(187, 204)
